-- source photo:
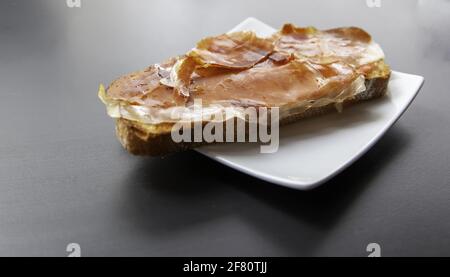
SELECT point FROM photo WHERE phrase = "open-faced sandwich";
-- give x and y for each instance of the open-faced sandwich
(300, 71)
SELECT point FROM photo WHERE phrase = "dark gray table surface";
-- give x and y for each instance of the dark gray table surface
(64, 177)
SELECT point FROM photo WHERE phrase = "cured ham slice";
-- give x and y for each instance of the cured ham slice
(235, 51)
(273, 85)
(351, 45)
(296, 67)
(238, 50)
(145, 88)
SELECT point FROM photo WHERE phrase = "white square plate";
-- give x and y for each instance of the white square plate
(314, 150)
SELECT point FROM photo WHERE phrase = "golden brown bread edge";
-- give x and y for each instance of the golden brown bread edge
(156, 140)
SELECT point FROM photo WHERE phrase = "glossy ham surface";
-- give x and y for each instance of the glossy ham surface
(240, 69)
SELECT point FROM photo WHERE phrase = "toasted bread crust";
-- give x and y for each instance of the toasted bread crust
(156, 140)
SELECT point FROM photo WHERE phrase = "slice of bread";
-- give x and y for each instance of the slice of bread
(303, 71)
(155, 140)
